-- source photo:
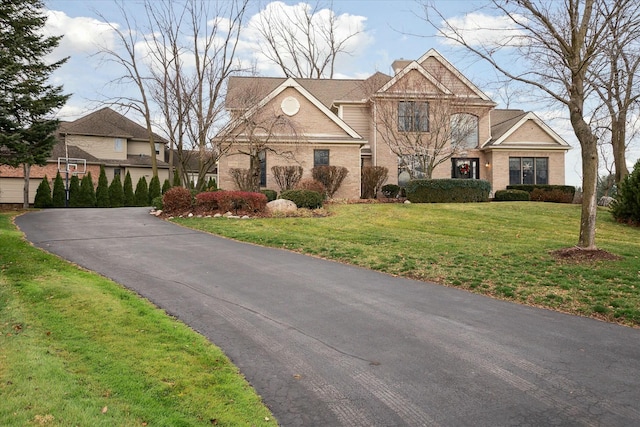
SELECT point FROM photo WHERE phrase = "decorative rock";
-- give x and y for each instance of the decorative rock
(406, 202)
(228, 214)
(190, 215)
(281, 205)
(218, 215)
(246, 217)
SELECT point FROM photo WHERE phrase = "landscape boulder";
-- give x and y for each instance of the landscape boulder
(281, 205)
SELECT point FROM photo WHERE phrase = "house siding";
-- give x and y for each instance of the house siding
(99, 146)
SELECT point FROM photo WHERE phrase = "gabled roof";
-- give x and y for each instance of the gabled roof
(413, 65)
(505, 122)
(106, 122)
(331, 87)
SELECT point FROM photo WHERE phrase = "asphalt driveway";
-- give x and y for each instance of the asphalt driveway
(327, 344)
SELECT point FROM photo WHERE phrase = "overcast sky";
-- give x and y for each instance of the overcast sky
(390, 30)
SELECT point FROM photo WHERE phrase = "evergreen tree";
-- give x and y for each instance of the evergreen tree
(166, 185)
(59, 192)
(176, 179)
(102, 192)
(116, 193)
(43, 195)
(129, 196)
(154, 189)
(142, 192)
(74, 192)
(626, 207)
(27, 99)
(211, 185)
(87, 192)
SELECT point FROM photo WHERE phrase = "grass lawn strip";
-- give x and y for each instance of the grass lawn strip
(78, 349)
(497, 249)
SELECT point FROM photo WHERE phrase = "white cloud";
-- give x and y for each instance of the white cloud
(479, 29)
(81, 34)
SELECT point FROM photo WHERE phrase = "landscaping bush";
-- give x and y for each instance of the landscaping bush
(87, 197)
(43, 195)
(331, 177)
(372, 179)
(74, 192)
(211, 184)
(242, 178)
(165, 186)
(448, 190)
(271, 194)
(231, 201)
(127, 188)
(287, 177)
(311, 185)
(59, 192)
(116, 193)
(177, 200)
(154, 189)
(390, 191)
(626, 206)
(102, 192)
(304, 198)
(554, 190)
(142, 192)
(177, 182)
(156, 203)
(511, 196)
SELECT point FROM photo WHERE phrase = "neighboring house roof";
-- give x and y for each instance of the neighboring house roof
(505, 122)
(107, 122)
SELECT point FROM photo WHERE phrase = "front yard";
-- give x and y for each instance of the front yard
(497, 249)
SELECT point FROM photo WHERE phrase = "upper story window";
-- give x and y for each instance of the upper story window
(464, 130)
(158, 147)
(118, 145)
(413, 116)
(320, 158)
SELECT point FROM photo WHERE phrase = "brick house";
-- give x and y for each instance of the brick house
(373, 122)
(103, 137)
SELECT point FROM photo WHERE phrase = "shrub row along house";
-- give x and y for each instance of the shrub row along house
(426, 121)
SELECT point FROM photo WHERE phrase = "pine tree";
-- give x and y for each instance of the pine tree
(154, 189)
(87, 192)
(27, 99)
(166, 185)
(626, 207)
(129, 196)
(116, 193)
(59, 192)
(176, 179)
(102, 191)
(142, 192)
(43, 195)
(74, 192)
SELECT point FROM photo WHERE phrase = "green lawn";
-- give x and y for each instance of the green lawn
(497, 249)
(79, 350)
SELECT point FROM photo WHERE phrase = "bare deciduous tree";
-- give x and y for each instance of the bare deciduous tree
(559, 42)
(302, 40)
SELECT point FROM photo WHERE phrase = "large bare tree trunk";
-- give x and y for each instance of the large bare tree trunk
(26, 169)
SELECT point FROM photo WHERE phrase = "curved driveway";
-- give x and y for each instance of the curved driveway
(327, 344)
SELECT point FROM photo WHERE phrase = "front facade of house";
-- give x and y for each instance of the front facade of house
(426, 119)
(103, 137)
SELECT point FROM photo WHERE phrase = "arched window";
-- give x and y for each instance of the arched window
(464, 131)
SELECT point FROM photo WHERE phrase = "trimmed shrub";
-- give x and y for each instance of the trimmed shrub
(626, 206)
(142, 192)
(242, 178)
(271, 194)
(304, 198)
(156, 203)
(311, 185)
(211, 184)
(177, 200)
(177, 182)
(59, 192)
(87, 197)
(511, 196)
(231, 201)
(43, 195)
(116, 193)
(287, 177)
(372, 179)
(154, 189)
(74, 192)
(331, 177)
(555, 190)
(390, 191)
(127, 188)
(165, 186)
(102, 191)
(448, 190)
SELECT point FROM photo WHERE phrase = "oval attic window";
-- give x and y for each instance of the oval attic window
(290, 106)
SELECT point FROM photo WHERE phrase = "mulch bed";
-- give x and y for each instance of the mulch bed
(579, 255)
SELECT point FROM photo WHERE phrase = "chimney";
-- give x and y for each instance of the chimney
(399, 65)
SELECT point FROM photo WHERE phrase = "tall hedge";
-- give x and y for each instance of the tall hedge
(448, 190)
(43, 195)
(74, 192)
(154, 189)
(142, 192)
(59, 192)
(127, 187)
(102, 192)
(116, 193)
(626, 206)
(87, 192)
